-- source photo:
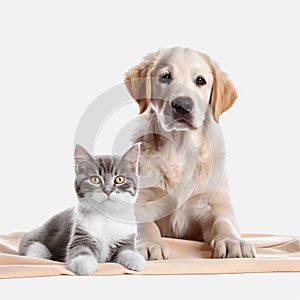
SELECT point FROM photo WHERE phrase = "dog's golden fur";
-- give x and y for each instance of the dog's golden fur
(181, 163)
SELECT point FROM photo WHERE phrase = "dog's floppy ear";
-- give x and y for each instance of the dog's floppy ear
(138, 82)
(223, 93)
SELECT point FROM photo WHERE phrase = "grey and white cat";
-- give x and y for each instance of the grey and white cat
(102, 227)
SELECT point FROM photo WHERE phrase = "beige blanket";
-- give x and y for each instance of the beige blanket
(274, 254)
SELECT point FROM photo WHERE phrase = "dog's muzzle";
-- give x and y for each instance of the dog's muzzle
(182, 105)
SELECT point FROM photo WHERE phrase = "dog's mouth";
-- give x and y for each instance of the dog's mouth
(173, 120)
(188, 124)
(184, 119)
(179, 122)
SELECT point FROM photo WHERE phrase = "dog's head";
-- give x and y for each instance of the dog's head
(178, 84)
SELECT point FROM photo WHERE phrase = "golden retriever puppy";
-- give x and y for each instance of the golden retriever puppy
(184, 194)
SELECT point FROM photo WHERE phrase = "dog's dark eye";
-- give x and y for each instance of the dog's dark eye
(165, 78)
(200, 80)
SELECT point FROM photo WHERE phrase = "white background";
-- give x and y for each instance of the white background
(56, 57)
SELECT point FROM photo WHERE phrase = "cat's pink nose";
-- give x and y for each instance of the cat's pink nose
(107, 192)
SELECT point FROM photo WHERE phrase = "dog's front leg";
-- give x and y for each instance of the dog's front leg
(150, 243)
(219, 229)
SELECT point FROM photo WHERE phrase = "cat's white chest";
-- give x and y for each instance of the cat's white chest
(107, 231)
(103, 227)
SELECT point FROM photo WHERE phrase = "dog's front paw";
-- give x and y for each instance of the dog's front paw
(83, 264)
(232, 247)
(132, 260)
(154, 250)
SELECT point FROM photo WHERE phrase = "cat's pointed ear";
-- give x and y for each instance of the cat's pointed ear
(81, 156)
(131, 157)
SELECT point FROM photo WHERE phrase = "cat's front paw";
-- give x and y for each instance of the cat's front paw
(83, 264)
(131, 260)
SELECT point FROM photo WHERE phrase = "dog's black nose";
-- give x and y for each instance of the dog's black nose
(183, 105)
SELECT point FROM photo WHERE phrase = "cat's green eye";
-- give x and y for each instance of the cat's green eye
(95, 180)
(119, 179)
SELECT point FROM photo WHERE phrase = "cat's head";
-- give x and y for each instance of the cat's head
(107, 178)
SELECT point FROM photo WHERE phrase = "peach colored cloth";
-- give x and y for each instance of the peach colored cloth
(274, 254)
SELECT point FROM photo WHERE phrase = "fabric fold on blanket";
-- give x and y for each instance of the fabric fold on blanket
(275, 253)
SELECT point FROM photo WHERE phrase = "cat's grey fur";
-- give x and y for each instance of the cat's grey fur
(102, 227)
